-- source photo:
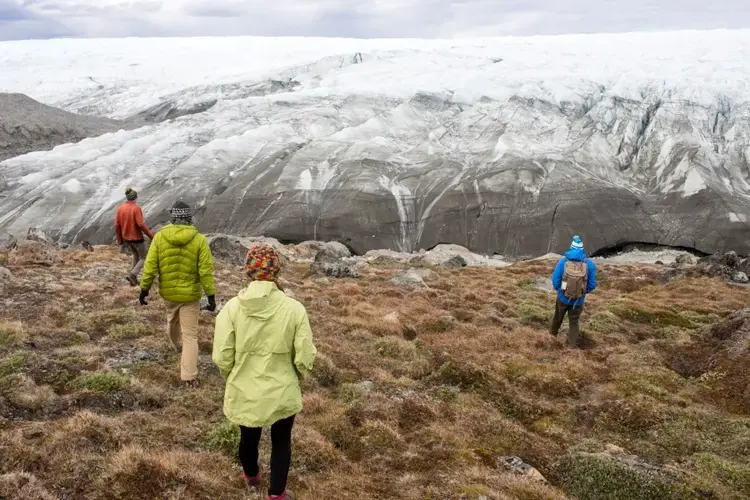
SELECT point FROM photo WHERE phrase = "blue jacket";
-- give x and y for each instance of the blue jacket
(557, 276)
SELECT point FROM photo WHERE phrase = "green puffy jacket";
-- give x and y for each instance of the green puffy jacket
(263, 346)
(181, 257)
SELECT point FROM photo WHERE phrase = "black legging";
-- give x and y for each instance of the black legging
(281, 453)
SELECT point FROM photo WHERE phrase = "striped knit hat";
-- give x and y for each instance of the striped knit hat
(262, 263)
(577, 243)
(181, 212)
(130, 194)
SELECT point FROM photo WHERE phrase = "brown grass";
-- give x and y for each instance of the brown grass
(416, 393)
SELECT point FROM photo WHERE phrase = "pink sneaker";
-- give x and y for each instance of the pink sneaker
(251, 482)
(287, 495)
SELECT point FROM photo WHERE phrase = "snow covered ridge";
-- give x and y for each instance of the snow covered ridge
(504, 146)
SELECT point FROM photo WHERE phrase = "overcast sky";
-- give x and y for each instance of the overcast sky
(22, 19)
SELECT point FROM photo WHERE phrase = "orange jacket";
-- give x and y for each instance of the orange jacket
(129, 223)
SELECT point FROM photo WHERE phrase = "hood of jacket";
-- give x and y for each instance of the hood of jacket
(261, 300)
(179, 235)
(576, 255)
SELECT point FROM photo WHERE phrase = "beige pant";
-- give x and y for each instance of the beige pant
(182, 323)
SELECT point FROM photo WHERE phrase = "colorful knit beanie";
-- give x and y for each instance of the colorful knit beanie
(181, 213)
(262, 263)
(130, 194)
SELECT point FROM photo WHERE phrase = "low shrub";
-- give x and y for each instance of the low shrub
(223, 438)
(99, 381)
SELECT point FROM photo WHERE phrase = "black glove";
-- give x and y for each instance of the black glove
(211, 303)
(142, 297)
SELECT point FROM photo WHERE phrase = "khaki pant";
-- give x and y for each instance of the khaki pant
(138, 251)
(574, 315)
(182, 323)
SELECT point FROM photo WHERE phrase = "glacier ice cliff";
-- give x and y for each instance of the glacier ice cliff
(504, 146)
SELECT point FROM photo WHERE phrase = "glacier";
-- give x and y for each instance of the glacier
(503, 145)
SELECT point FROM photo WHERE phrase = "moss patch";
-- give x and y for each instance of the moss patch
(599, 477)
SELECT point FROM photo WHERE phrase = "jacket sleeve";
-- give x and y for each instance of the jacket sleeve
(151, 266)
(142, 224)
(591, 285)
(118, 228)
(224, 338)
(557, 276)
(206, 268)
(304, 349)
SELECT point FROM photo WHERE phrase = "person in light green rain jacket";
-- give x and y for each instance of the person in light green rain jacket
(263, 346)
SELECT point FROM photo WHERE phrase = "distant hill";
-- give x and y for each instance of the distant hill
(27, 125)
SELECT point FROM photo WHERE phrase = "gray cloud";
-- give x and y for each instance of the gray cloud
(19, 23)
(364, 18)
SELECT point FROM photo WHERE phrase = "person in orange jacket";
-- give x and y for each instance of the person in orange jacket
(129, 230)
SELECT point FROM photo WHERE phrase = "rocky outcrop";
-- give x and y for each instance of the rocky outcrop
(27, 125)
(446, 256)
(727, 266)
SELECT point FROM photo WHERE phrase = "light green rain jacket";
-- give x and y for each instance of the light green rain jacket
(263, 346)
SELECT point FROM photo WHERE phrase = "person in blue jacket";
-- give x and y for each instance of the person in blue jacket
(572, 283)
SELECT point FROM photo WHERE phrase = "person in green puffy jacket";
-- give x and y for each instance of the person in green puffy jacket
(180, 255)
(263, 346)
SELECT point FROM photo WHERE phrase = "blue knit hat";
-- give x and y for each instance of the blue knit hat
(577, 243)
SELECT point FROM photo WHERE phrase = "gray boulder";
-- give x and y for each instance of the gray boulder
(684, 260)
(36, 234)
(730, 260)
(740, 277)
(8, 242)
(308, 249)
(409, 279)
(428, 275)
(337, 250)
(720, 271)
(518, 466)
(327, 263)
(5, 275)
(455, 262)
(228, 249)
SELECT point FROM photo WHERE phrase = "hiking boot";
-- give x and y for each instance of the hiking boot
(191, 384)
(287, 495)
(133, 280)
(251, 482)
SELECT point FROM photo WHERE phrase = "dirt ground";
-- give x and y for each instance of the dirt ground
(417, 393)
